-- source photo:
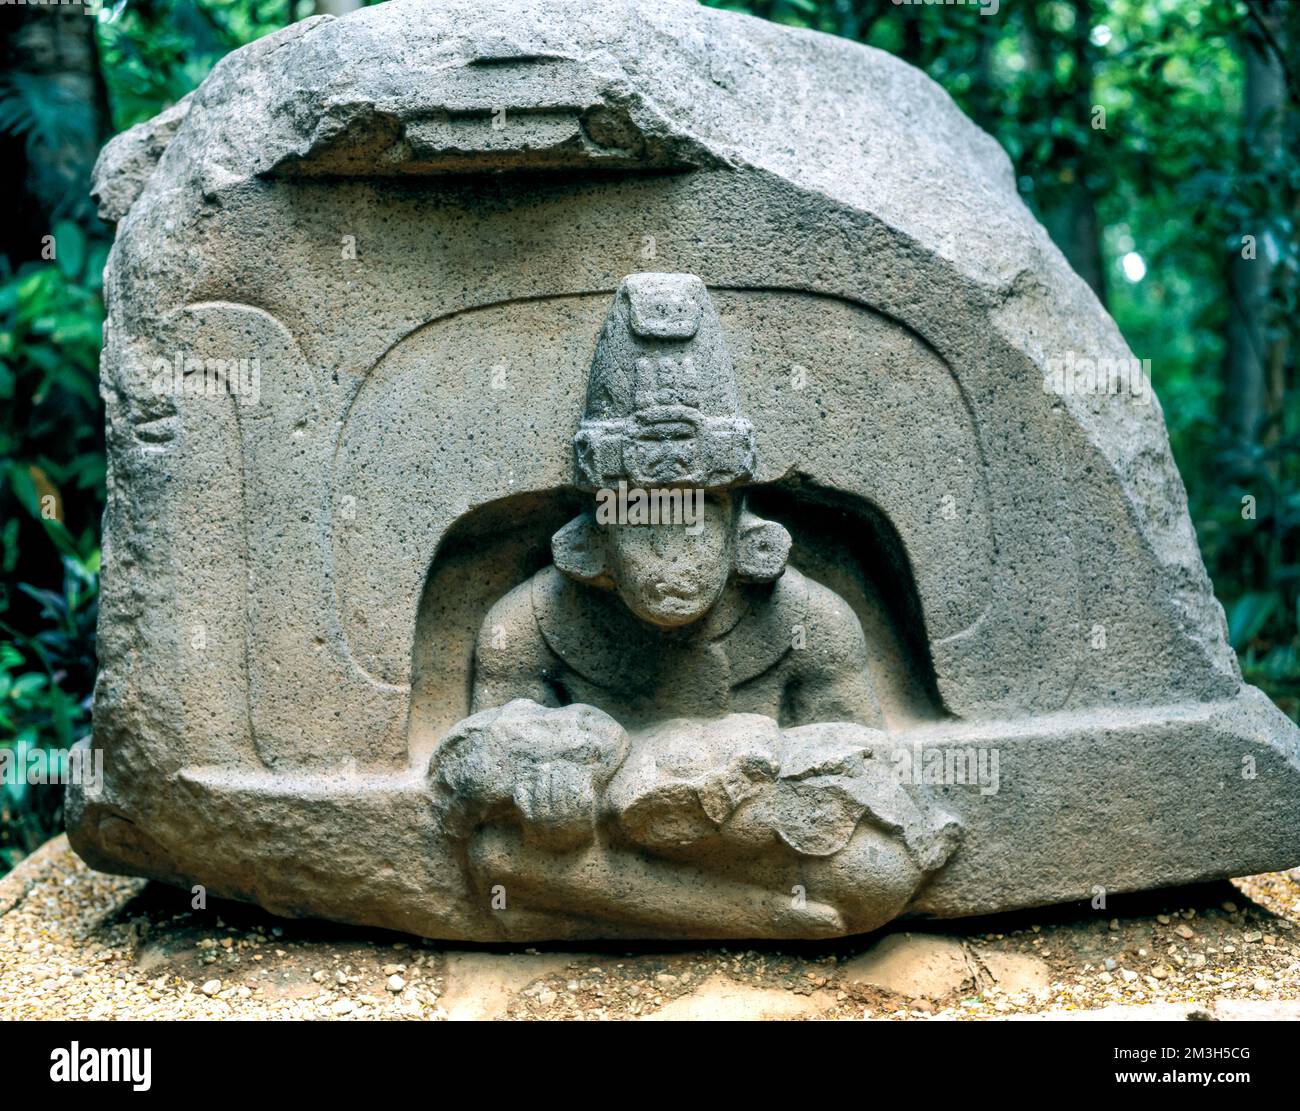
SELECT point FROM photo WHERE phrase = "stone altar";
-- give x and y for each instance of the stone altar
(583, 471)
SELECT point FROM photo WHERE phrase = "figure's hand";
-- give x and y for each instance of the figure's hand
(544, 768)
(557, 802)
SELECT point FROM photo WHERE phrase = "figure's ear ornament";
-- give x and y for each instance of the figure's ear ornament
(762, 548)
(578, 550)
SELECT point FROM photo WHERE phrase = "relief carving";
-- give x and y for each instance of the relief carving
(672, 727)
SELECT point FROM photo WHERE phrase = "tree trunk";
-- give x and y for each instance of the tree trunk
(1250, 358)
(1069, 209)
(52, 79)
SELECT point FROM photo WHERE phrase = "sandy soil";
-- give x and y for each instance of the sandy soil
(77, 944)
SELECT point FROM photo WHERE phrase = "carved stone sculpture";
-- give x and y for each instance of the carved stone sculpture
(655, 620)
(695, 634)
(567, 481)
(712, 828)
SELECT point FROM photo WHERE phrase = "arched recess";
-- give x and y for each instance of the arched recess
(482, 556)
(428, 434)
(840, 540)
(846, 543)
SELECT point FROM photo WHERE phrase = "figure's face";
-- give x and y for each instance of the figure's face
(670, 575)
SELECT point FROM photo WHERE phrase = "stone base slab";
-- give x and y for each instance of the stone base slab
(1069, 807)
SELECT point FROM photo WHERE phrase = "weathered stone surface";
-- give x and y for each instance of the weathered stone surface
(937, 966)
(1010, 973)
(929, 966)
(696, 828)
(446, 268)
(719, 999)
(127, 163)
(480, 986)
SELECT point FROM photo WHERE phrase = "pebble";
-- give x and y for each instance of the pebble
(211, 987)
(395, 983)
(1185, 932)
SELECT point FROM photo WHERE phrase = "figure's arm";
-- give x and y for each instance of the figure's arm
(831, 680)
(511, 659)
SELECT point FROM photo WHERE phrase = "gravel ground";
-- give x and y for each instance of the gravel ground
(77, 944)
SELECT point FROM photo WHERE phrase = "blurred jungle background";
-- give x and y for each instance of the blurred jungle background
(1158, 141)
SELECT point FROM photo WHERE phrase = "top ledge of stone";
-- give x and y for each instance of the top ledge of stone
(422, 87)
(128, 161)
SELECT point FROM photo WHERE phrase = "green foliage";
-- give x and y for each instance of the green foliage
(156, 51)
(45, 685)
(52, 496)
(49, 117)
(50, 436)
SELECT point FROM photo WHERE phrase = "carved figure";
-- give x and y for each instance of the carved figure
(672, 726)
(698, 617)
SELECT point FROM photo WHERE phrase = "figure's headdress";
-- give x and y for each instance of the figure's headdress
(662, 408)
